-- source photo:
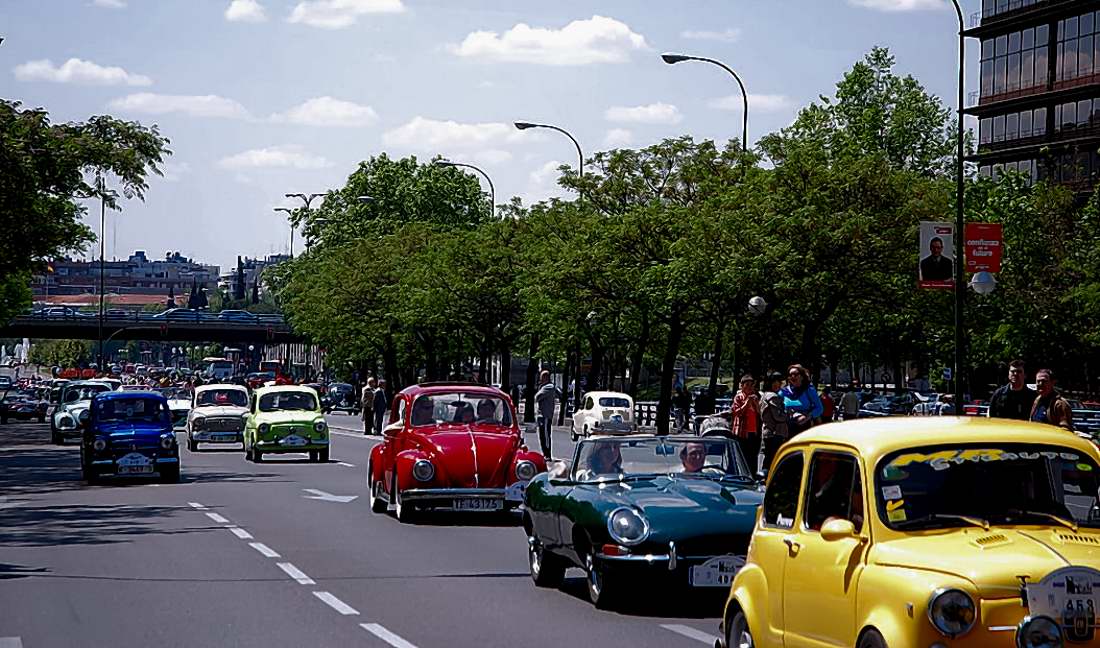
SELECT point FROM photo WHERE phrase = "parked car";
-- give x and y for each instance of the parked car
(217, 415)
(450, 446)
(340, 397)
(639, 511)
(1085, 420)
(258, 379)
(924, 532)
(72, 409)
(603, 412)
(129, 433)
(286, 419)
(23, 406)
(237, 316)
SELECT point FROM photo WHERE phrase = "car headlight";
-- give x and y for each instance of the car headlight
(423, 470)
(264, 428)
(952, 612)
(1039, 632)
(627, 526)
(99, 445)
(167, 441)
(525, 470)
(197, 423)
(83, 415)
(320, 426)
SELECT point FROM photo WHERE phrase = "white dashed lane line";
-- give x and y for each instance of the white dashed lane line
(267, 551)
(197, 505)
(217, 518)
(385, 635)
(296, 574)
(345, 464)
(240, 533)
(11, 642)
(690, 633)
(336, 604)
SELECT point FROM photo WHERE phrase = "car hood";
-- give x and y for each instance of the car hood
(468, 458)
(75, 406)
(992, 560)
(220, 410)
(288, 416)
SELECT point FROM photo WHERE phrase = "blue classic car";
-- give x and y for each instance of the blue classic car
(671, 511)
(129, 433)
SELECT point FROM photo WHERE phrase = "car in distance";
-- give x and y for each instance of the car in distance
(237, 316)
(72, 409)
(218, 415)
(340, 397)
(603, 412)
(23, 406)
(635, 511)
(286, 419)
(129, 433)
(450, 446)
(946, 531)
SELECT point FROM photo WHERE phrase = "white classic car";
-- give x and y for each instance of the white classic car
(72, 408)
(603, 412)
(217, 415)
(179, 404)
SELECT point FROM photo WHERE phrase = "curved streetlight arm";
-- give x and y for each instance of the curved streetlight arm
(492, 189)
(580, 153)
(672, 59)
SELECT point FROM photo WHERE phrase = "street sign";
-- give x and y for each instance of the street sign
(984, 244)
(947, 373)
(937, 256)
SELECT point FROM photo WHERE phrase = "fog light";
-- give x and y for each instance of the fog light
(1039, 632)
(423, 470)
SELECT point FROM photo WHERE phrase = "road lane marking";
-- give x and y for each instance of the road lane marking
(354, 435)
(321, 495)
(217, 518)
(690, 633)
(197, 505)
(345, 464)
(267, 551)
(240, 533)
(296, 574)
(336, 604)
(11, 642)
(385, 635)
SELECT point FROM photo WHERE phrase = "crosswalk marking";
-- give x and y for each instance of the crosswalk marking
(690, 633)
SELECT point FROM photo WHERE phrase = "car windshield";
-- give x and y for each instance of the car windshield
(131, 410)
(612, 401)
(462, 409)
(288, 400)
(83, 392)
(222, 398)
(1000, 483)
(176, 393)
(619, 458)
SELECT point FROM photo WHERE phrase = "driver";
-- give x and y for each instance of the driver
(486, 411)
(422, 411)
(606, 459)
(693, 456)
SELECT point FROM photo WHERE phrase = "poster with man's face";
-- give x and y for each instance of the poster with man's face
(937, 257)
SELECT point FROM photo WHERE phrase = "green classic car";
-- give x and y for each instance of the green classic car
(283, 420)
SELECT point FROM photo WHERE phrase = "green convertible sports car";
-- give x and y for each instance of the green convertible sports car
(632, 510)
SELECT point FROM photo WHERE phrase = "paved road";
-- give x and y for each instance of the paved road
(242, 554)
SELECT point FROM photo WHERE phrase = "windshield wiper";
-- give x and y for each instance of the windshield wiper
(974, 521)
(1043, 514)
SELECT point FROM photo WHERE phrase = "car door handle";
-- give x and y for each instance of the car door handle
(792, 546)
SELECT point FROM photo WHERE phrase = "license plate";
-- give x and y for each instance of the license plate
(216, 438)
(134, 460)
(134, 470)
(293, 441)
(716, 572)
(1079, 618)
(478, 505)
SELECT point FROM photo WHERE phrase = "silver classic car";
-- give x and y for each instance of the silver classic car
(217, 415)
(72, 409)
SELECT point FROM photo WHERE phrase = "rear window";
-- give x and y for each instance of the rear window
(610, 401)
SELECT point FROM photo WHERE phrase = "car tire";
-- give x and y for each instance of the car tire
(738, 634)
(322, 456)
(193, 446)
(41, 419)
(602, 591)
(872, 639)
(547, 570)
(313, 456)
(257, 456)
(55, 438)
(405, 513)
(572, 431)
(170, 475)
(377, 504)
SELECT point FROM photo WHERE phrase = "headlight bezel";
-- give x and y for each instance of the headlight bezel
(99, 445)
(198, 422)
(524, 464)
(621, 539)
(167, 441)
(320, 426)
(1028, 622)
(423, 476)
(263, 428)
(937, 598)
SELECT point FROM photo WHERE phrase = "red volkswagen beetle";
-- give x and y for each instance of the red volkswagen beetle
(450, 446)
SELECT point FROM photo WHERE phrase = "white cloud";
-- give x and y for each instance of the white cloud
(730, 35)
(581, 42)
(542, 183)
(274, 157)
(618, 138)
(78, 71)
(245, 11)
(435, 136)
(195, 105)
(337, 14)
(757, 103)
(174, 171)
(327, 111)
(898, 5)
(490, 157)
(110, 4)
(656, 113)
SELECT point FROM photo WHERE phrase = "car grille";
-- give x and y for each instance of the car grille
(301, 429)
(714, 545)
(223, 424)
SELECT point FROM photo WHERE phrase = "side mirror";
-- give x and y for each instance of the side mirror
(392, 429)
(838, 529)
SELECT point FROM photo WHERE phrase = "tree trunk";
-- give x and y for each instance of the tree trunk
(811, 354)
(716, 359)
(595, 373)
(389, 365)
(532, 378)
(483, 361)
(638, 356)
(668, 372)
(505, 368)
(565, 389)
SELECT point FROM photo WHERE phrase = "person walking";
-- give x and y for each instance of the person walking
(1014, 400)
(366, 400)
(545, 398)
(381, 406)
(1049, 406)
(773, 421)
(800, 399)
(745, 418)
(850, 402)
(682, 401)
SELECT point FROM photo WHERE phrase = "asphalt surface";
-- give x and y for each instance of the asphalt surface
(243, 554)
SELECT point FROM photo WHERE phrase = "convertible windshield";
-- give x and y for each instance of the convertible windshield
(458, 408)
(988, 484)
(131, 410)
(83, 392)
(288, 400)
(222, 398)
(616, 458)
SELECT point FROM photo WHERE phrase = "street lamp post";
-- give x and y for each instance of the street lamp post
(308, 201)
(580, 154)
(492, 190)
(289, 212)
(960, 223)
(673, 59)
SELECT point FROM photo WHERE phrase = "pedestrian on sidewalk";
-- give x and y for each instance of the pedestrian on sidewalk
(1014, 400)
(745, 418)
(367, 402)
(682, 401)
(773, 421)
(1050, 407)
(381, 406)
(545, 398)
(850, 401)
(800, 399)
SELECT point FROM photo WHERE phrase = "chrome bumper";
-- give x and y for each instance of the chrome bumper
(421, 494)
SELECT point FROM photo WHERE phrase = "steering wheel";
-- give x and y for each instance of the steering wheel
(713, 469)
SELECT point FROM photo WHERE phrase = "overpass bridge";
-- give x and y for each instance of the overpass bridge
(203, 327)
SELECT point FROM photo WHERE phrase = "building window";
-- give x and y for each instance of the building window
(1029, 168)
(991, 8)
(1078, 47)
(1015, 61)
(1073, 115)
(1013, 126)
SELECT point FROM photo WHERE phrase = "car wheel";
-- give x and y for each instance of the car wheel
(41, 419)
(872, 639)
(738, 634)
(572, 431)
(377, 504)
(405, 513)
(257, 456)
(547, 570)
(600, 591)
(170, 475)
(322, 456)
(55, 438)
(313, 456)
(193, 446)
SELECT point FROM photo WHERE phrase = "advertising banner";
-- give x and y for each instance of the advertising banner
(984, 243)
(937, 257)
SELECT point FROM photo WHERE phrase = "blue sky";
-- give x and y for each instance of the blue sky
(262, 97)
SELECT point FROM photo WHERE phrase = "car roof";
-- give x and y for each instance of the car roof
(116, 395)
(875, 437)
(203, 388)
(450, 388)
(600, 394)
(283, 388)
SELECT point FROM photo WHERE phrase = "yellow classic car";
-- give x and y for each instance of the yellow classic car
(924, 533)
